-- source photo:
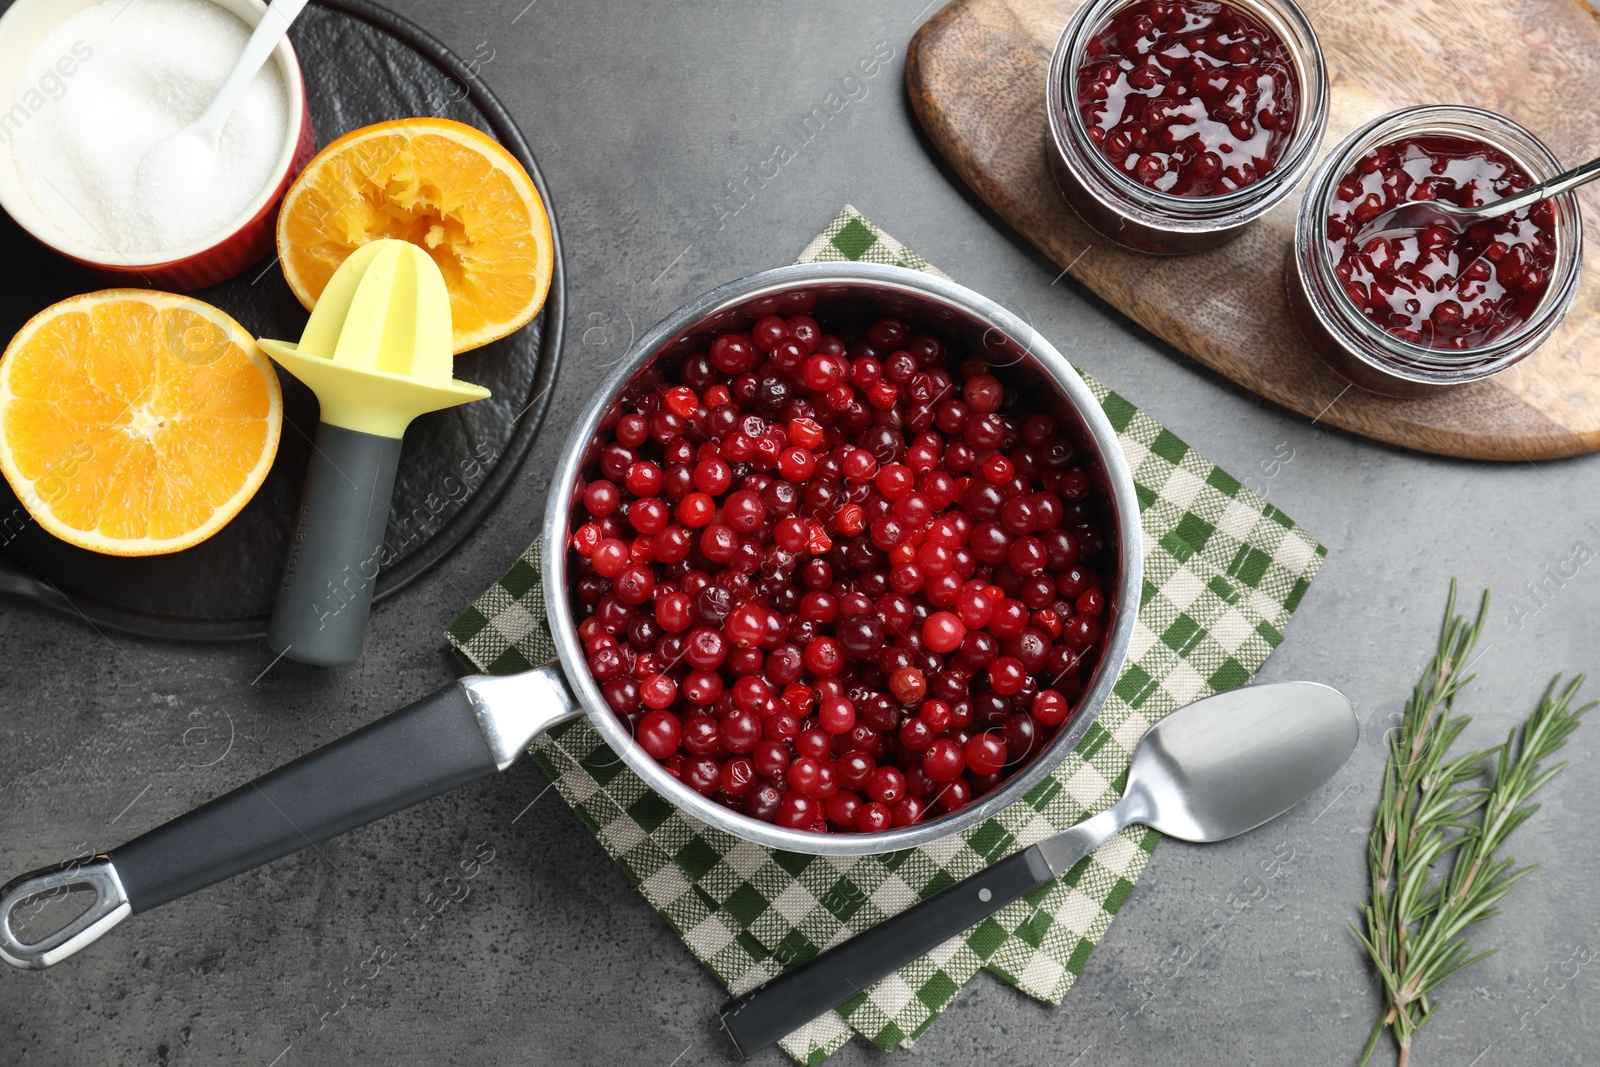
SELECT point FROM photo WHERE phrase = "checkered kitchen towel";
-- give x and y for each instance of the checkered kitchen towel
(1223, 572)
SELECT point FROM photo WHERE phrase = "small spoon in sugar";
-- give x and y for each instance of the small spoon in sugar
(183, 165)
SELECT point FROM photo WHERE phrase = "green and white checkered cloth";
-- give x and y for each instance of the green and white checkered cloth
(1224, 570)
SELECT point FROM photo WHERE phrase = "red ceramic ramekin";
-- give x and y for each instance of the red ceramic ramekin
(245, 241)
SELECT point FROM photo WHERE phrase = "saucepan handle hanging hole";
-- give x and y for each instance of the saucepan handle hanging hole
(36, 891)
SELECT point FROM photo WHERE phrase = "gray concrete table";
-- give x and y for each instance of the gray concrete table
(641, 117)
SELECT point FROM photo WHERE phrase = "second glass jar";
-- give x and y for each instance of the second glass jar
(1371, 356)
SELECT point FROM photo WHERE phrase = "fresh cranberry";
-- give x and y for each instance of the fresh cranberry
(762, 801)
(842, 808)
(873, 817)
(954, 795)
(943, 761)
(1188, 97)
(1049, 708)
(771, 758)
(886, 785)
(1433, 287)
(1006, 675)
(703, 774)
(985, 753)
(943, 632)
(659, 734)
(908, 685)
(1021, 736)
(796, 810)
(738, 775)
(658, 691)
(701, 734)
(837, 716)
(601, 498)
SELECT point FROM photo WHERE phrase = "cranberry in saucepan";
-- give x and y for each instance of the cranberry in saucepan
(838, 585)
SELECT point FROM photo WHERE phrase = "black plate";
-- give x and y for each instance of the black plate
(362, 64)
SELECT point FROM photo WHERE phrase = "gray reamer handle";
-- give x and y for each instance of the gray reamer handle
(320, 615)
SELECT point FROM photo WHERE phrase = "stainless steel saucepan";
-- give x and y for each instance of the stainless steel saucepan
(480, 725)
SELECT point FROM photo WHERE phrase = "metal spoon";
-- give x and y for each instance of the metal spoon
(180, 166)
(1209, 771)
(1414, 215)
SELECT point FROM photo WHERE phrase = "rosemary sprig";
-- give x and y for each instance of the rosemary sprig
(1435, 841)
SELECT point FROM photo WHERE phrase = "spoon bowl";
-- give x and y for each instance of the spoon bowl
(1208, 773)
(1414, 215)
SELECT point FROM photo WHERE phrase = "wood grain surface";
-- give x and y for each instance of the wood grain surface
(976, 77)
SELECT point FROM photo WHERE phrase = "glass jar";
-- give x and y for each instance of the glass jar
(1365, 353)
(1147, 220)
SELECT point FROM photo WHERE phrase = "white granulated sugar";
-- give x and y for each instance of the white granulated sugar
(152, 68)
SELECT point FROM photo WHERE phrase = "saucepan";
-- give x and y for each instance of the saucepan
(480, 725)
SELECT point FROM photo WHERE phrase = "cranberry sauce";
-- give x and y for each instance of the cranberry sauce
(1190, 98)
(1433, 287)
(836, 578)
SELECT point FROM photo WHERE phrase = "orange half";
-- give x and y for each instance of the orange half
(136, 423)
(446, 187)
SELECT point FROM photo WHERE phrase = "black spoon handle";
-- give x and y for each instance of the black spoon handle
(797, 996)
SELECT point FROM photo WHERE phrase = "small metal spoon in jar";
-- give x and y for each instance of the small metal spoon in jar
(1416, 215)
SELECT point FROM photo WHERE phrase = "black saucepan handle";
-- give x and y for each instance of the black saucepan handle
(797, 996)
(468, 730)
(415, 753)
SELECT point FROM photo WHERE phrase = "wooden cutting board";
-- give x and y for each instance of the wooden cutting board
(976, 77)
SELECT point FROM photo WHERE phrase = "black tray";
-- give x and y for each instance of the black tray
(362, 64)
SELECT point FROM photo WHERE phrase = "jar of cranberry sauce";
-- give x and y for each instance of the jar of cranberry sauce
(1176, 123)
(1409, 313)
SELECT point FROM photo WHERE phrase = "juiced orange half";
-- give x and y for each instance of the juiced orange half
(442, 185)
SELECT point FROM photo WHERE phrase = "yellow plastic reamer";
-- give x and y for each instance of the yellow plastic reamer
(377, 352)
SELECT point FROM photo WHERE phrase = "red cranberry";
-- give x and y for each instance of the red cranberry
(842, 808)
(855, 770)
(732, 354)
(771, 758)
(1049, 707)
(658, 691)
(1006, 675)
(703, 774)
(916, 735)
(954, 795)
(796, 811)
(837, 716)
(886, 785)
(659, 734)
(985, 753)
(873, 817)
(814, 743)
(762, 801)
(1021, 737)
(701, 734)
(738, 775)
(943, 761)
(805, 775)
(908, 685)
(601, 498)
